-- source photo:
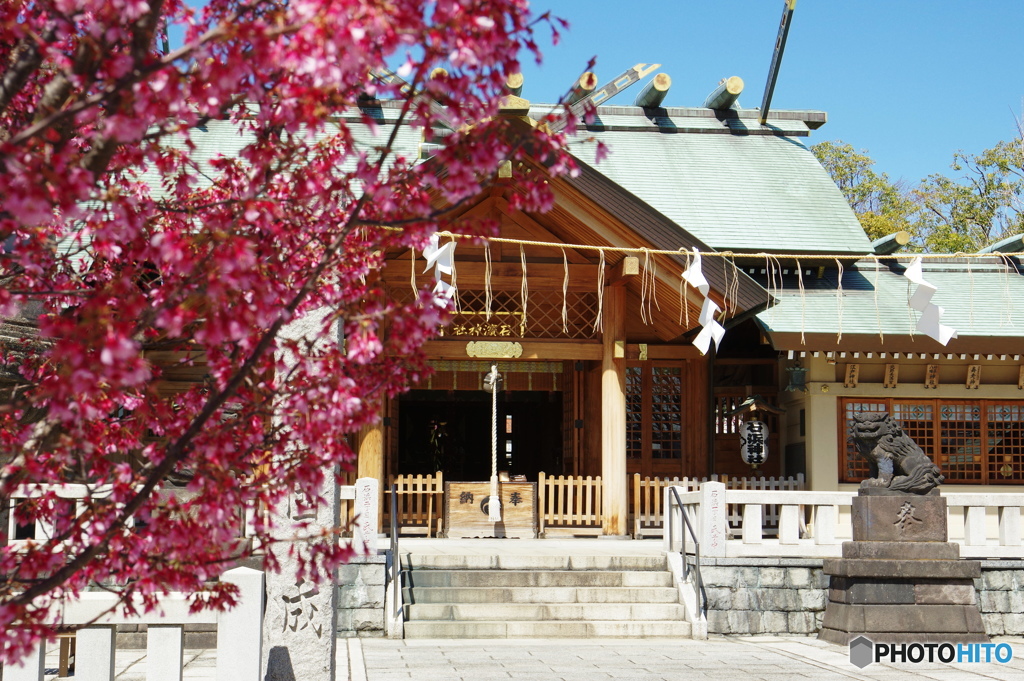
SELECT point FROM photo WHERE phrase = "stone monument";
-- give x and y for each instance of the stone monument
(300, 619)
(900, 580)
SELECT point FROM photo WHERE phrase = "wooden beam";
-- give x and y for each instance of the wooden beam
(532, 350)
(622, 271)
(1011, 244)
(514, 84)
(654, 92)
(505, 276)
(726, 94)
(780, 48)
(536, 230)
(613, 415)
(890, 243)
(582, 87)
(663, 351)
(606, 92)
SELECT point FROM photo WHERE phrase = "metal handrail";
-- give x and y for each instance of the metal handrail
(682, 549)
(394, 572)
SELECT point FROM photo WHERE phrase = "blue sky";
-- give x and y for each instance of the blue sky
(911, 81)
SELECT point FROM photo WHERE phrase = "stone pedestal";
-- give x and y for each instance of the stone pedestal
(899, 580)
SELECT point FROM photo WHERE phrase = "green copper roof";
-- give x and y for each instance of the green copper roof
(720, 176)
(981, 300)
(731, 183)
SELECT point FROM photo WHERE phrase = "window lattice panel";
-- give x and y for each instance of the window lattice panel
(960, 440)
(634, 412)
(1006, 442)
(666, 413)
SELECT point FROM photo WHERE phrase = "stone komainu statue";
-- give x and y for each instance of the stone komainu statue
(897, 463)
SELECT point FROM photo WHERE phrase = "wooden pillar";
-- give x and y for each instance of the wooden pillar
(370, 463)
(613, 412)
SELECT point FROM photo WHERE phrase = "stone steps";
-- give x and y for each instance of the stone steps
(544, 611)
(446, 561)
(536, 578)
(521, 596)
(546, 629)
(551, 594)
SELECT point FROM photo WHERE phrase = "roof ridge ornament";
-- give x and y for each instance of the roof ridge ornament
(604, 93)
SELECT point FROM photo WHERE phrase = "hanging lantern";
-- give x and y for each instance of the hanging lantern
(797, 378)
(754, 442)
(754, 432)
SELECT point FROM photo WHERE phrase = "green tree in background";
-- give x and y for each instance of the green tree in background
(982, 203)
(883, 207)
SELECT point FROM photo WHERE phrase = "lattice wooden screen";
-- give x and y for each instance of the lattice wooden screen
(654, 412)
(666, 413)
(634, 412)
(1005, 442)
(543, 318)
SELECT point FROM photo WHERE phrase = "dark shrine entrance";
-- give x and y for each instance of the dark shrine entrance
(450, 431)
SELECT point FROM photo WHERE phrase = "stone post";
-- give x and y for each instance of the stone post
(94, 652)
(30, 668)
(364, 535)
(299, 624)
(714, 524)
(300, 619)
(239, 656)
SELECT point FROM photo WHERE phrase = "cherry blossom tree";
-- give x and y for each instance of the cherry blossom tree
(126, 260)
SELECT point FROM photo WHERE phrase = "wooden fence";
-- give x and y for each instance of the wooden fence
(419, 502)
(649, 493)
(568, 505)
(572, 505)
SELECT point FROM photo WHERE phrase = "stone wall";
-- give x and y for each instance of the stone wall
(764, 595)
(1000, 593)
(787, 595)
(361, 597)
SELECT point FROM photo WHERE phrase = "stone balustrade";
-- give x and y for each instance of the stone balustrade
(239, 635)
(815, 524)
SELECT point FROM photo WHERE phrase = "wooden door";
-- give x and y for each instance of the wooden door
(655, 419)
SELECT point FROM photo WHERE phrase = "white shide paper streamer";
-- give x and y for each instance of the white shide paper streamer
(441, 258)
(921, 300)
(711, 330)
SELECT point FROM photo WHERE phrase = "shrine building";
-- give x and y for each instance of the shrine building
(592, 314)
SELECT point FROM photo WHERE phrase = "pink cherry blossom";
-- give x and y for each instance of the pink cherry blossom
(165, 216)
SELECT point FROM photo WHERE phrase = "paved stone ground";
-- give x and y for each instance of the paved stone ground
(722, 658)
